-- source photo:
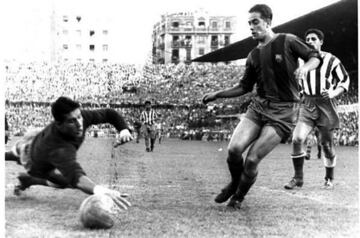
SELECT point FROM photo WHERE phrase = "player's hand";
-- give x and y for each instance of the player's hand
(124, 136)
(118, 198)
(300, 73)
(209, 97)
(331, 93)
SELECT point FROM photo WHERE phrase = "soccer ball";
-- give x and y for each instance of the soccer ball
(95, 212)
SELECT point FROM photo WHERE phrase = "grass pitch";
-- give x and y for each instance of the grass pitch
(172, 191)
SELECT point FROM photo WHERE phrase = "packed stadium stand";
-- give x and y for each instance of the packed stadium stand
(176, 92)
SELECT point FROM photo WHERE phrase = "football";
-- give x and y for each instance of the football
(95, 212)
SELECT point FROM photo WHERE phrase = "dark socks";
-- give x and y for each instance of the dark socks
(298, 162)
(245, 184)
(9, 156)
(329, 173)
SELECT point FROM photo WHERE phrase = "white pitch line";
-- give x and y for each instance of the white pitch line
(316, 199)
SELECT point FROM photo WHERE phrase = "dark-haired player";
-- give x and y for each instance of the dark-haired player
(320, 89)
(49, 156)
(273, 67)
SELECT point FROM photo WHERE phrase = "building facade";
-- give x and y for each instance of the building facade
(79, 38)
(180, 37)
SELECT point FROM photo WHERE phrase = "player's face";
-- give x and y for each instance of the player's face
(73, 124)
(313, 40)
(258, 26)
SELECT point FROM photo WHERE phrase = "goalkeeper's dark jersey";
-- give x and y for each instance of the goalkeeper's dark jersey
(271, 67)
(52, 150)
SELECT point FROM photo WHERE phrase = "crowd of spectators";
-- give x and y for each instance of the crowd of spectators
(176, 92)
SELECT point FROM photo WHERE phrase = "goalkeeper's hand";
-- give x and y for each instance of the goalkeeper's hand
(123, 137)
(118, 198)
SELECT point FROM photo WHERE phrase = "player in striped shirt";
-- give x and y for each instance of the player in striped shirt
(147, 118)
(320, 89)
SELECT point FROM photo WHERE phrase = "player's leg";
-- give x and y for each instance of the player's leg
(244, 134)
(264, 144)
(137, 132)
(300, 133)
(308, 148)
(10, 156)
(25, 181)
(326, 137)
(152, 138)
(51, 179)
(318, 142)
(147, 138)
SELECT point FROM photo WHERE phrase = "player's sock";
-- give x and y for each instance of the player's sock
(245, 184)
(27, 180)
(308, 152)
(10, 156)
(329, 167)
(152, 142)
(298, 162)
(319, 151)
(329, 173)
(235, 167)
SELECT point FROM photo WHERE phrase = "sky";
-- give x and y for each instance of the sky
(26, 23)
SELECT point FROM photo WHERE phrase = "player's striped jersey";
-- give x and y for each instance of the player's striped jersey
(148, 117)
(330, 74)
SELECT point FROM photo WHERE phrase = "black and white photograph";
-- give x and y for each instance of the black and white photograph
(187, 118)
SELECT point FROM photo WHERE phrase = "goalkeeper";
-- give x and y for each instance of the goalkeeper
(49, 156)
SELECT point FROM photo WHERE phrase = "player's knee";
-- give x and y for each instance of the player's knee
(251, 167)
(327, 148)
(298, 140)
(234, 152)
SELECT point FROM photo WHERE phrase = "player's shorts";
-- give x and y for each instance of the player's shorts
(22, 147)
(149, 131)
(320, 112)
(282, 116)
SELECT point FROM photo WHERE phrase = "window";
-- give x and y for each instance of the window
(227, 24)
(92, 47)
(105, 60)
(175, 24)
(214, 24)
(65, 46)
(201, 23)
(105, 32)
(105, 47)
(91, 33)
(92, 60)
(201, 51)
(78, 46)
(65, 19)
(227, 40)
(78, 18)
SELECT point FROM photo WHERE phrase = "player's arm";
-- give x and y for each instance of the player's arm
(311, 57)
(88, 186)
(309, 65)
(227, 93)
(245, 85)
(111, 116)
(342, 82)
